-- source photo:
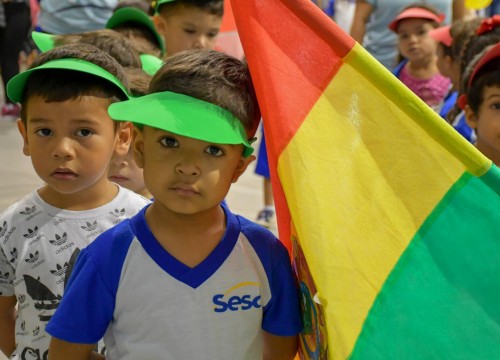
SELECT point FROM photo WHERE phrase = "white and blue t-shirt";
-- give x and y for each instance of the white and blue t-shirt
(148, 305)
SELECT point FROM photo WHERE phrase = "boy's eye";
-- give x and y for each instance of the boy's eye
(403, 36)
(212, 34)
(169, 142)
(189, 31)
(44, 132)
(495, 106)
(84, 132)
(214, 151)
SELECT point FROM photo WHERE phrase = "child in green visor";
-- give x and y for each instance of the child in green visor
(70, 138)
(185, 278)
(188, 24)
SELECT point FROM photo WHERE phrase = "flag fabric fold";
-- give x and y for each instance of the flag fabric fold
(393, 217)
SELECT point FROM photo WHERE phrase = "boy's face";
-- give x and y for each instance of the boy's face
(185, 175)
(124, 171)
(413, 39)
(486, 122)
(70, 144)
(188, 27)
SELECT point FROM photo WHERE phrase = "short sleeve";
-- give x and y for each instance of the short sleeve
(282, 313)
(6, 275)
(87, 306)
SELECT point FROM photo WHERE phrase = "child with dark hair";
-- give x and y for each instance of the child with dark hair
(70, 138)
(138, 27)
(185, 278)
(481, 100)
(188, 24)
(419, 71)
(450, 41)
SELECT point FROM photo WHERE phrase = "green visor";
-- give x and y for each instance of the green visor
(183, 115)
(44, 42)
(134, 15)
(150, 63)
(16, 85)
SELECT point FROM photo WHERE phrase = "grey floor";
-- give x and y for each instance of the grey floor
(17, 177)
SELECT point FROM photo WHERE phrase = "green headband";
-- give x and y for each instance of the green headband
(16, 85)
(131, 14)
(183, 115)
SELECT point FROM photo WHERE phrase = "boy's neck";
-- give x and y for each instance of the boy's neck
(424, 68)
(188, 238)
(80, 201)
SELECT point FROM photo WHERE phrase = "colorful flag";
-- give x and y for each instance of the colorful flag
(394, 218)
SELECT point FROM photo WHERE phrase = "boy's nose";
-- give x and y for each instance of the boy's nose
(201, 42)
(63, 149)
(188, 168)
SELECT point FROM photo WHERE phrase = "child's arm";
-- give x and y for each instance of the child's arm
(279, 347)
(8, 324)
(63, 350)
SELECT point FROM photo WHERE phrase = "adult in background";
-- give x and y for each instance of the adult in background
(76, 16)
(15, 22)
(372, 17)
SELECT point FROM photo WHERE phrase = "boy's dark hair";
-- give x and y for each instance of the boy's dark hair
(112, 42)
(57, 85)
(138, 80)
(214, 7)
(213, 77)
(132, 30)
(489, 75)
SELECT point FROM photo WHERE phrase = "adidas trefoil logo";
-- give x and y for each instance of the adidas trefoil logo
(36, 331)
(90, 227)
(59, 239)
(21, 299)
(33, 257)
(4, 276)
(23, 325)
(14, 254)
(31, 233)
(118, 213)
(60, 270)
(3, 228)
(28, 210)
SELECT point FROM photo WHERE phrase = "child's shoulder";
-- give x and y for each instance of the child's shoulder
(26, 206)
(262, 239)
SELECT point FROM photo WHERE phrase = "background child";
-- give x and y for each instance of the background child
(188, 24)
(419, 71)
(449, 49)
(481, 101)
(199, 281)
(138, 27)
(123, 169)
(267, 216)
(70, 139)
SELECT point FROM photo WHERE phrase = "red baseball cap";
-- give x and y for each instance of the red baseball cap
(442, 35)
(492, 54)
(415, 13)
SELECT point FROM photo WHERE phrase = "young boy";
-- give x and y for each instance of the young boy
(70, 137)
(188, 24)
(185, 278)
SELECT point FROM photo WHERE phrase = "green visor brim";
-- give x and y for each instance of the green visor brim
(150, 63)
(183, 115)
(44, 42)
(16, 85)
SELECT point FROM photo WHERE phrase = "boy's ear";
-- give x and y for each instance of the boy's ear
(138, 148)
(124, 138)
(159, 23)
(470, 117)
(23, 132)
(242, 166)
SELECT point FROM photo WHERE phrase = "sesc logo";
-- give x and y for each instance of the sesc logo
(225, 302)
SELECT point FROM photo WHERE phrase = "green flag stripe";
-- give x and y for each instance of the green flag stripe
(442, 300)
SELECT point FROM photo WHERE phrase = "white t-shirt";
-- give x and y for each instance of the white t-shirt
(149, 305)
(39, 243)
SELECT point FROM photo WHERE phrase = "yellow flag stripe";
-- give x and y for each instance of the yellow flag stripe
(361, 228)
